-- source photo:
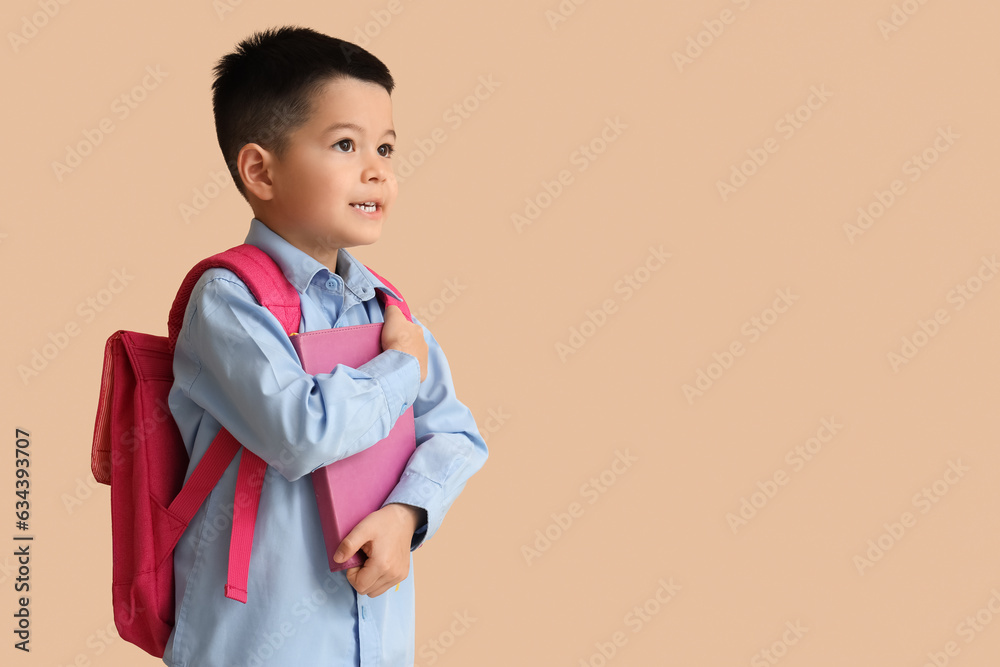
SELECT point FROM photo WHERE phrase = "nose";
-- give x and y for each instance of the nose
(376, 168)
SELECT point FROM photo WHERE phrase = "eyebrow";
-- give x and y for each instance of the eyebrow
(353, 126)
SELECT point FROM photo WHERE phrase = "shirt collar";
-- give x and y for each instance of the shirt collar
(300, 268)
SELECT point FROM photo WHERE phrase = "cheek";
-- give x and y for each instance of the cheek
(317, 186)
(313, 171)
(299, 181)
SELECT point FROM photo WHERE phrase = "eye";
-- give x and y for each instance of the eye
(386, 150)
(345, 144)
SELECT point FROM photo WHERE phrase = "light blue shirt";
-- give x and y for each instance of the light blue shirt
(234, 365)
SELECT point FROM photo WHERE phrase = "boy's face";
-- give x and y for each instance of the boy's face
(335, 164)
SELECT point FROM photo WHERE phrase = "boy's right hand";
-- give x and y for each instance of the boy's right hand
(398, 333)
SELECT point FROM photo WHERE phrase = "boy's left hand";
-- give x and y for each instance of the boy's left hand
(385, 536)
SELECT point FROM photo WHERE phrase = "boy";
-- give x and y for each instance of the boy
(305, 122)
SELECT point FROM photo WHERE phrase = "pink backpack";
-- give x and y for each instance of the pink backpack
(139, 452)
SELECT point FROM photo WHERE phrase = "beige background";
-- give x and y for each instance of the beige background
(564, 421)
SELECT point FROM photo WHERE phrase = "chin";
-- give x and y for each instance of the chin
(366, 240)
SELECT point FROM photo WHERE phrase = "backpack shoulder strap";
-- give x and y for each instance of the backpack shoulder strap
(272, 290)
(388, 299)
(260, 273)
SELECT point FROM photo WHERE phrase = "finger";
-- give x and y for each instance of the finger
(359, 579)
(387, 582)
(346, 549)
(367, 576)
(354, 540)
(387, 579)
(379, 586)
(378, 591)
(377, 577)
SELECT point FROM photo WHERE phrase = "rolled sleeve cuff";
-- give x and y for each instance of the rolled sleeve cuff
(398, 374)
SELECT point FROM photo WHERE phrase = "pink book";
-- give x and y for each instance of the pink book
(350, 489)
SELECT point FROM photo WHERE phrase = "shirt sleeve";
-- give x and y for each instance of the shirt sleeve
(449, 450)
(248, 376)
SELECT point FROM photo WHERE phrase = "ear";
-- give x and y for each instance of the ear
(254, 164)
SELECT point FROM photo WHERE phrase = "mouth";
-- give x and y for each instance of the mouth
(367, 206)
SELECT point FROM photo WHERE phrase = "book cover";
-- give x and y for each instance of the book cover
(352, 488)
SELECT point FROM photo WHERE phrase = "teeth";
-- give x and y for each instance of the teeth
(367, 207)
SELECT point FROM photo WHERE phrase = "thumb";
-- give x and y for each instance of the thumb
(348, 547)
(352, 542)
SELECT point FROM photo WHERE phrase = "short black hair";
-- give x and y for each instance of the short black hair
(263, 91)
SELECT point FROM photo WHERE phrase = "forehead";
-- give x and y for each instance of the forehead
(351, 101)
